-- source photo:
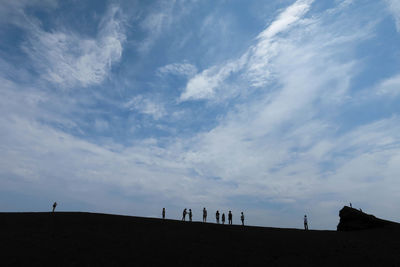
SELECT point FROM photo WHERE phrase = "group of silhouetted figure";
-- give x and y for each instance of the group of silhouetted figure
(217, 216)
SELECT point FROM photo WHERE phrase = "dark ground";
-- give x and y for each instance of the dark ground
(89, 239)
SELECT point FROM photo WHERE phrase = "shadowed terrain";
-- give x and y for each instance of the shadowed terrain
(90, 239)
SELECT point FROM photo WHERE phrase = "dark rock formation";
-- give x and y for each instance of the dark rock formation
(352, 219)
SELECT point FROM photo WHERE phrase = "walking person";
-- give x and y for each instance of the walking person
(204, 215)
(54, 206)
(190, 215)
(305, 222)
(217, 216)
(230, 217)
(163, 213)
(184, 215)
(242, 218)
(223, 218)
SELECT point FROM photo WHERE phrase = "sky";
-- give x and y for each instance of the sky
(275, 108)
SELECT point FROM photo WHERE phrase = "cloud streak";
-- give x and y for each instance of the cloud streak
(390, 86)
(185, 69)
(146, 106)
(394, 8)
(254, 61)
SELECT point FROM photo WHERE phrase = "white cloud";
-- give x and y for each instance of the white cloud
(291, 14)
(203, 85)
(256, 59)
(154, 24)
(185, 69)
(163, 14)
(146, 106)
(69, 60)
(44, 156)
(390, 86)
(394, 8)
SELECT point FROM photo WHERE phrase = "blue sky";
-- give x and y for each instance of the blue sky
(274, 108)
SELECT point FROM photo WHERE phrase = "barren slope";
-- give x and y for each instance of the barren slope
(89, 239)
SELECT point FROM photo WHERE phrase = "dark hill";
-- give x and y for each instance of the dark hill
(352, 219)
(89, 239)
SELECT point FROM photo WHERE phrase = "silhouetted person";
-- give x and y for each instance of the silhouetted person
(223, 218)
(184, 215)
(360, 209)
(305, 222)
(54, 206)
(350, 205)
(190, 215)
(163, 213)
(204, 215)
(242, 218)
(230, 217)
(217, 216)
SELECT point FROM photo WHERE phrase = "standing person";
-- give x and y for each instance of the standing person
(204, 215)
(223, 218)
(242, 218)
(184, 215)
(217, 216)
(230, 217)
(305, 222)
(54, 206)
(190, 215)
(351, 205)
(163, 213)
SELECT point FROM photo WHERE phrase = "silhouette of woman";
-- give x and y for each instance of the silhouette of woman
(184, 215)
(204, 215)
(305, 222)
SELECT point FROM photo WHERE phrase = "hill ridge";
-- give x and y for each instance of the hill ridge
(96, 239)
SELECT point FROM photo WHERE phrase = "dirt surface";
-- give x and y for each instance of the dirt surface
(90, 239)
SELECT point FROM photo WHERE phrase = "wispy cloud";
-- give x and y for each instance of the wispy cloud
(291, 14)
(390, 86)
(185, 69)
(146, 106)
(255, 60)
(154, 24)
(394, 8)
(12, 11)
(203, 85)
(160, 19)
(69, 60)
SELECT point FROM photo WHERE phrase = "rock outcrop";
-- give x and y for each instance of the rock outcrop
(352, 219)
